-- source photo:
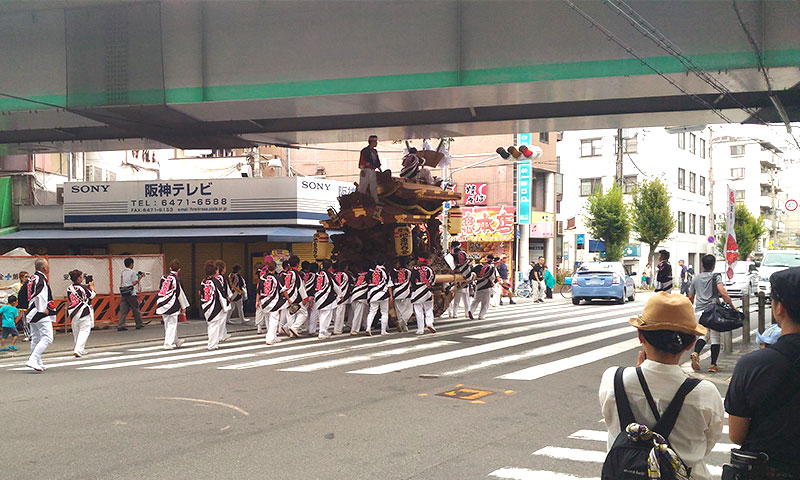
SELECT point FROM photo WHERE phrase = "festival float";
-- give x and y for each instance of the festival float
(405, 222)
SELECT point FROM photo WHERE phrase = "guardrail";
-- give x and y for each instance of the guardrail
(746, 304)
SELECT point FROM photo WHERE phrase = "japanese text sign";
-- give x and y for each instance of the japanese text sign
(487, 224)
(524, 191)
(475, 194)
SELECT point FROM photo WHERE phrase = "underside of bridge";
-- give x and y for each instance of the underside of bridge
(111, 75)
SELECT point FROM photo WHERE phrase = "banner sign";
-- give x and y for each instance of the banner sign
(225, 201)
(475, 194)
(524, 191)
(542, 225)
(487, 224)
(731, 247)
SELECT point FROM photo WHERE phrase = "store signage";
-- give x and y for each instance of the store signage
(227, 201)
(542, 225)
(487, 224)
(632, 251)
(475, 194)
(524, 191)
(580, 239)
(525, 139)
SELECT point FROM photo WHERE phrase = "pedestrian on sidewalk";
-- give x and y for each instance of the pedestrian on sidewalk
(128, 301)
(170, 303)
(763, 399)
(21, 291)
(326, 298)
(239, 291)
(379, 294)
(271, 297)
(706, 290)
(80, 311)
(485, 277)
(41, 314)
(9, 315)
(667, 327)
(214, 303)
(663, 273)
(502, 271)
(536, 277)
(228, 294)
(685, 280)
(647, 276)
(422, 278)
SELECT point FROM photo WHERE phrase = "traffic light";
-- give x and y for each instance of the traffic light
(522, 151)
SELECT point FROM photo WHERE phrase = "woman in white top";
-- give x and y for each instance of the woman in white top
(667, 329)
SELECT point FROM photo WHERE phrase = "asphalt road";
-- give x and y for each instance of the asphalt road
(394, 407)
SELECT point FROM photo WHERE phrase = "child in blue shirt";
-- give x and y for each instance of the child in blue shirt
(9, 313)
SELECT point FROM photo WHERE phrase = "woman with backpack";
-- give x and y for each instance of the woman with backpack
(667, 328)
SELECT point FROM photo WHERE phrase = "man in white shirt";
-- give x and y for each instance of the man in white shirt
(127, 296)
(667, 329)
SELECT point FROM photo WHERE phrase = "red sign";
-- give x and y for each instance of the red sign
(475, 194)
(487, 224)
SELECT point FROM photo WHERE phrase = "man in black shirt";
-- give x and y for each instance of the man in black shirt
(663, 273)
(537, 280)
(763, 400)
(368, 163)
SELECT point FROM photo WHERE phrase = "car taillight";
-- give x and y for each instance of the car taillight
(615, 281)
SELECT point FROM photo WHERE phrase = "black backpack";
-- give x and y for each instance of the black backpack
(628, 457)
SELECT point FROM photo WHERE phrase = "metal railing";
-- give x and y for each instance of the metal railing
(746, 304)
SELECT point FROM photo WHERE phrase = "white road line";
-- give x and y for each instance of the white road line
(24, 358)
(600, 436)
(195, 343)
(313, 367)
(512, 330)
(526, 474)
(725, 430)
(551, 348)
(544, 369)
(470, 351)
(594, 456)
(171, 366)
(316, 353)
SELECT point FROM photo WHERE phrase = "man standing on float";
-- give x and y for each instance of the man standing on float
(368, 163)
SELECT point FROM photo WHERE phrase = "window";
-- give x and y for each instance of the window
(692, 223)
(629, 144)
(682, 179)
(738, 195)
(590, 186)
(702, 185)
(681, 222)
(702, 148)
(692, 182)
(681, 141)
(591, 147)
(112, 177)
(737, 173)
(737, 150)
(702, 225)
(629, 182)
(692, 143)
(544, 137)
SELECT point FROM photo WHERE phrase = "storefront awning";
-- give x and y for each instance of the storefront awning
(145, 235)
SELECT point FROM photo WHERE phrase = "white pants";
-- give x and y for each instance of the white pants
(313, 320)
(325, 319)
(170, 329)
(383, 306)
(261, 318)
(360, 309)
(284, 317)
(460, 295)
(338, 319)
(237, 306)
(712, 337)
(537, 291)
(403, 309)
(482, 298)
(216, 330)
(299, 318)
(368, 182)
(81, 328)
(496, 293)
(41, 338)
(273, 318)
(424, 313)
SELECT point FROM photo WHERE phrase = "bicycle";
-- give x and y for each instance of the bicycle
(566, 288)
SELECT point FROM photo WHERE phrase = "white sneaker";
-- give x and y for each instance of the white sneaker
(34, 367)
(226, 337)
(178, 343)
(386, 333)
(169, 347)
(421, 333)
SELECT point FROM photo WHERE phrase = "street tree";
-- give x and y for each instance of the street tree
(652, 218)
(748, 228)
(607, 219)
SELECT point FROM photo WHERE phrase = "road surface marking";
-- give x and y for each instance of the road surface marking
(209, 402)
(313, 367)
(594, 456)
(545, 369)
(526, 474)
(24, 358)
(512, 330)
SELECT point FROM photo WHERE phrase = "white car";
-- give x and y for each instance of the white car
(745, 278)
(775, 261)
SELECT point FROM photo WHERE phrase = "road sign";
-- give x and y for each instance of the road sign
(524, 191)
(791, 205)
(711, 239)
(524, 139)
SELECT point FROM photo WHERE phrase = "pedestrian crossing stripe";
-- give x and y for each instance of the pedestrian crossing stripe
(313, 367)
(600, 436)
(526, 474)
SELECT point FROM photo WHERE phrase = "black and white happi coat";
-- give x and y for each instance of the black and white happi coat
(294, 286)
(345, 282)
(238, 286)
(171, 297)
(360, 287)
(422, 279)
(213, 301)
(379, 283)
(270, 292)
(486, 277)
(79, 304)
(401, 280)
(326, 292)
(40, 298)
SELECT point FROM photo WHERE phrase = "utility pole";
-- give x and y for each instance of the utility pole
(774, 233)
(712, 218)
(620, 145)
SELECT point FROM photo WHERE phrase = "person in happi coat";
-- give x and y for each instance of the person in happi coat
(379, 294)
(359, 298)
(214, 304)
(41, 314)
(422, 281)
(80, 311)
(345, 281)
(239, 291)
(271, 298)
(326, 298)
(401, 291)
(171, 302)
(485, 277)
